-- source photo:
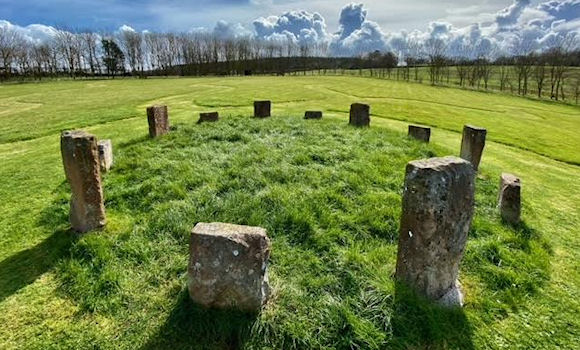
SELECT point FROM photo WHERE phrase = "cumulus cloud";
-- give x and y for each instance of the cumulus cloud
(126, 28)
(299, 27)
(352, 17)
(225, 30)
(34, 32)
(518, 26)
(356, 34)
(510, 15)
(537, 28)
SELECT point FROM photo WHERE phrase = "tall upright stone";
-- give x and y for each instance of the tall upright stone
(420, 133)
(262, 109)
(438, 202)
(158, 119)
(80, 157)
(472, 144)
(228, 266)
(510, 204)
(105, 154)
(208, 117)
(313, 115)
(360, 114)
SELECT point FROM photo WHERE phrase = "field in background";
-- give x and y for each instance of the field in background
(328, 194)
(421, 75)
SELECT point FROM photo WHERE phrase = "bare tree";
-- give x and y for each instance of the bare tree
(10, 40)
(485, 56)
(559, 60)
(69, 48)
(131, 43)
(435, 52)
(504, 74)
(577, 89)
(540, 74)
(523, 62)
(90, 43)
(415, 51)
(22, 54)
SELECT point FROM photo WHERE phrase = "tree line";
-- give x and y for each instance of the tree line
(143, 54)
(523, 72)
(129, 53)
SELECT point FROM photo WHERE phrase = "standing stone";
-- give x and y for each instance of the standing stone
(438, 203)
(472, 144)
(158, 120)
(105, 154)
(262, 109)
(313, 115)
(80, 158)
(510, 205)
(360, 114)
(228, 266)
(420, 133)
(208, 117)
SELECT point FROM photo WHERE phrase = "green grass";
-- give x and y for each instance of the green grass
(328, 194)
(546, 128)
(572, 77)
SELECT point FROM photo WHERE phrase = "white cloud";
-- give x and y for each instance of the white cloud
(300, 27)
(506, 32)
(521, 24)
(510, 15)
(126, 28)
(224, 30)
(33, 32)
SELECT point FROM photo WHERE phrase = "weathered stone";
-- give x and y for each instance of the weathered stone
(472, 144)
(420, 133)
(360, 114)
(262, 109)
(158, 120)
(208, 117)
(105, 154)
(313, 115)
(510, 205)
(438, 203)
(228, 266)
(80, 158)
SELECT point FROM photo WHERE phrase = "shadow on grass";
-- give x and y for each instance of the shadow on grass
(523, 231)
(525, 235)
(192, 327)
(23, 268)
(419, 323)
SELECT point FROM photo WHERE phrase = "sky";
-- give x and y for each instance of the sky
(180, 15)
(347, 28)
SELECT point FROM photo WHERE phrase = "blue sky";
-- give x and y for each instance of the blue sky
(177, 15)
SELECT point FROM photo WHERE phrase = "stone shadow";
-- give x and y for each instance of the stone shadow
(422, 324)
(525, 234)
(190, 326)
(23, 268)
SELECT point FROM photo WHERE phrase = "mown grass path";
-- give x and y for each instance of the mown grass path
(333, 199)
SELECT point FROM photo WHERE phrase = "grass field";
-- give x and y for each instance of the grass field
(421, 75)
(328, 194)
